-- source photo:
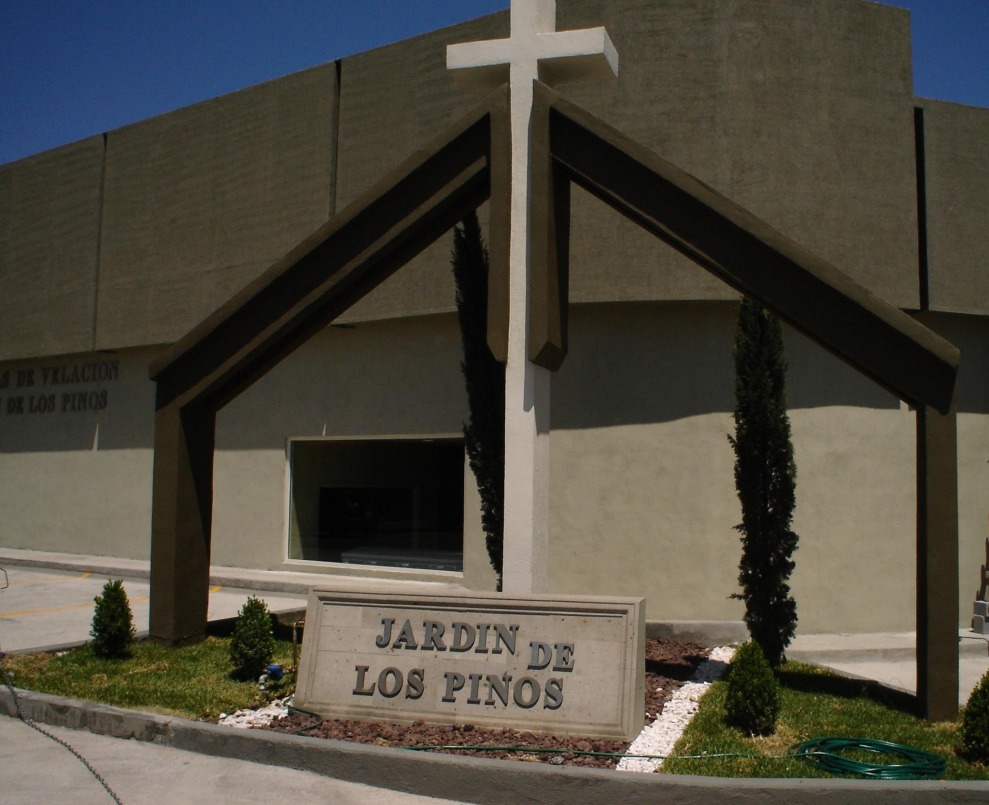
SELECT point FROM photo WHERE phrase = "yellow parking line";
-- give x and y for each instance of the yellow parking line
(59, 609)
(53, 579)
(76, 606)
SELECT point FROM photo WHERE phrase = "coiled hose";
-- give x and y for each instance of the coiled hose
(826, 753)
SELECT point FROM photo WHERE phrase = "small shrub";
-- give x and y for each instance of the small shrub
(975, 722)
(753, 697)
(113, 626)
(252, 644)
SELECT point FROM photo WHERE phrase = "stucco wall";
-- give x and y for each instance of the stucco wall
(956, 140)
(390, 378)
(642, 492)
(199, 202)
(76, 435)
(49, 246)
(801, 112)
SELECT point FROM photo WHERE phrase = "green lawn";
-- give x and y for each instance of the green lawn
(192, 681)
(816, 703)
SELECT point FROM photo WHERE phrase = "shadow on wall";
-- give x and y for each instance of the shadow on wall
(92, 401)
(649, 363)
(629, 363)
(971, 335)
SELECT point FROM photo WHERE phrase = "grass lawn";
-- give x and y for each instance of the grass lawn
(816, 703)
(192, 681)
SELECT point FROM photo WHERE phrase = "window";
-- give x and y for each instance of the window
(379, 502)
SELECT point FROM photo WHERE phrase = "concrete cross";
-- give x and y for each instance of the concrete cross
(533, 50)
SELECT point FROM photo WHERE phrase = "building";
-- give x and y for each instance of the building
(345, 458)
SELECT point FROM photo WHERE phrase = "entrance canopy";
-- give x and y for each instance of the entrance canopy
(429, 194)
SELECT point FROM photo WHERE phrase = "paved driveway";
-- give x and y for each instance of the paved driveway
(43, 607)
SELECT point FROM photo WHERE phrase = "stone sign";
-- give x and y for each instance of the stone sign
(572, 666)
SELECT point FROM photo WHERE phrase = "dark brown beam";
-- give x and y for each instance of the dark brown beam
(937, 564)
(181, 514)
(802, 288)
(549, 250)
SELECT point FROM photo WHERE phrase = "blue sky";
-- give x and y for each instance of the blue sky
(73, 68)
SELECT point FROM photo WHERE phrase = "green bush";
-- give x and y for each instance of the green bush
(252, 644)
(753, 700)
(975, 722)
(113, 627)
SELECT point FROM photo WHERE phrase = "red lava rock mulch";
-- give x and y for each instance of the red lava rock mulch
(668, 665)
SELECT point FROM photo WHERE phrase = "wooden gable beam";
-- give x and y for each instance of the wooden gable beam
(880, 340)
(344, 260)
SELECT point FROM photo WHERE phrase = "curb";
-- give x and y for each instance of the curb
(467, 779)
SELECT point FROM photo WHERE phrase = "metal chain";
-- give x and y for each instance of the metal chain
(30, 722)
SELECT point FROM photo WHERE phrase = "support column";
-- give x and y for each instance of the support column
(181, 519)
(937, 564)
(533, 50)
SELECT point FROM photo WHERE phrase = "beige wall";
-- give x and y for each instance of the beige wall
(76, 453)
(389, 378)
(642, 491)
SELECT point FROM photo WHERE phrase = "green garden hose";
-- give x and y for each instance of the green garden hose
(826, 753)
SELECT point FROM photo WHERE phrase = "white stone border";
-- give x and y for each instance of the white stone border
(660, 737)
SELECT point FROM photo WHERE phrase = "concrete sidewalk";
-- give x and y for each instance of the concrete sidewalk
(33, 769)
(890, 657)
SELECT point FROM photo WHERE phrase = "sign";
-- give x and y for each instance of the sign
(571, 666)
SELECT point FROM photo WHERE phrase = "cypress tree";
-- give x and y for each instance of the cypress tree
(484, 432)
(765, 478)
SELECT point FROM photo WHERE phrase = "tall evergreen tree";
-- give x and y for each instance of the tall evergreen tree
(765, 478)
(484, 432)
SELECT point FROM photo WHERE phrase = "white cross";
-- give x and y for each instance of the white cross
(533, 50)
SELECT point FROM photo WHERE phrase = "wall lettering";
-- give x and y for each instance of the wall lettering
(33, 384)
(478, 688)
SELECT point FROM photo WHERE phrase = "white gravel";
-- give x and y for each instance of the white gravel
(262, 717)
(660, 736)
